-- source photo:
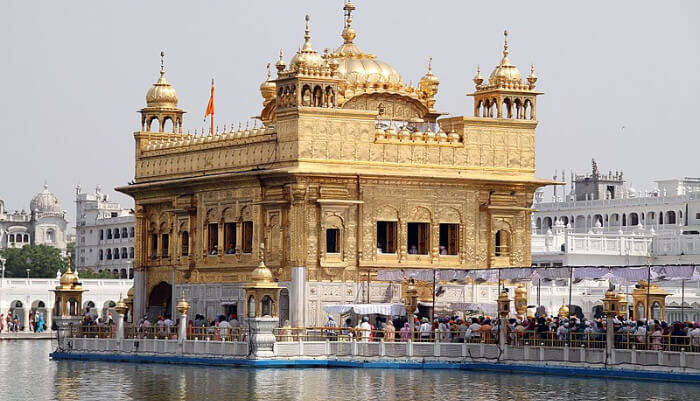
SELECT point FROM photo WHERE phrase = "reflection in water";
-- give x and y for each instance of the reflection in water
(26, 373)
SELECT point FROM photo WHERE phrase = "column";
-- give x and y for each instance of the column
(139, 306)
(119, 335)
(609, 335)
(25, 317)
(48, 318)
(182, 329)
(297, 296)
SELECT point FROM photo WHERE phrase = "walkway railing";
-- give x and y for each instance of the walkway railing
(289, 334)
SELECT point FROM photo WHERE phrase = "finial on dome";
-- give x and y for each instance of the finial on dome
(505, 43)
(532, 78)
(478, 79)
(162, 62)
(430, 64)
(46, 184)
(268, 71)
(280, 65)
(307, 34)
(348, 32)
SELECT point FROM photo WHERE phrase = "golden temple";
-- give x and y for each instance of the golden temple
(353, 170)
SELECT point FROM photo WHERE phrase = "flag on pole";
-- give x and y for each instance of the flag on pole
(210, 108)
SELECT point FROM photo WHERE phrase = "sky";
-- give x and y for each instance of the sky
(74, 74)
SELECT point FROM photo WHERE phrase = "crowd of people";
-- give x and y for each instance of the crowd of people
(222, 328)
(552, 330)
(13, 323)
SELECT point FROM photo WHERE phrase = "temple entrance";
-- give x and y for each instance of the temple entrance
(159, 300)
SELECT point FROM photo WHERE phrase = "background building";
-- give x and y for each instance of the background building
(104, 234)
(45, 223)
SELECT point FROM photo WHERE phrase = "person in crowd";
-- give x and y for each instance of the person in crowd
(389, 331)
(40, 323)
(364, 330)
(406, 332)
(425, 330)
(332, 333)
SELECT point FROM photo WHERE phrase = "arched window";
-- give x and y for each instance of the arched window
(131, 232)
(493, 112)
(538, 223)
(634, 219)
(670, 217)
(109, 234)
(26, 237)
(506, 109)
(330, 97)
(251, 306)
(168, 125)
(479, 109)
(109, 254)
(12, 238)
(124, 233)
(124, 254)
(318, 96)
(102, 235)
(131, 252)
(116, 233)
(640, 311)
(656, 310)
(102, 254)
(153, 125)
(115, 252)
(502, 243)
(185, 243)
(267, 305)
(306, 96)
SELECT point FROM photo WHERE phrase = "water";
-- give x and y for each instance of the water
(26, 373)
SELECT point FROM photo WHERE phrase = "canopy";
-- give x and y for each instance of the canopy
(464, 306)
(614, 273)
(367, 309)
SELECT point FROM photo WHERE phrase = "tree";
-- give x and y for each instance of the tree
(87, 273)
(43, 261)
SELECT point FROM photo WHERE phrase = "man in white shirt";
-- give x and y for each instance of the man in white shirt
(365, 329)
(425, 330)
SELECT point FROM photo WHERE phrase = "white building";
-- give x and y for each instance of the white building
(104, 234)
(44, 224)
(23, 297)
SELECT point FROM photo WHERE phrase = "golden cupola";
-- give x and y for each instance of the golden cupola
(268, 88)
(428, 84)
(359, 68)
(306, 57)
(161, 113)
(505, 94)
(505, 74)
(161, 94)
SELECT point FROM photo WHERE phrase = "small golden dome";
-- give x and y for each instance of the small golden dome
(520, 290)
(161, 94)
(121, 307)
(478, 79)
(564, 311)
(261, 274)
(68, 279)
(268, 88)
(183, 306)
(505, 73)
(306, 56)
(130, 293)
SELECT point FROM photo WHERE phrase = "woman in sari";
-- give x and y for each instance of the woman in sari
(389, 331)
(40, 323)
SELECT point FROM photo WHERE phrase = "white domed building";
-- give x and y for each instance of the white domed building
(44, 224)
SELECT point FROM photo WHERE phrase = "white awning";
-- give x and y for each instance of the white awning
(367, 309)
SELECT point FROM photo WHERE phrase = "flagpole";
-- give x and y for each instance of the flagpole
(211, 130)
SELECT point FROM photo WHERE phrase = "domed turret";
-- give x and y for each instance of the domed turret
(161, 105)
(268, 88)
(45, 202)
(161, 94)
(505, 73)
(429, 83)
(69, 279)
(306, 56)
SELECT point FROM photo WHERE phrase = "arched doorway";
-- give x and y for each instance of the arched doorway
(17, 311)
(38, 308)
(159, 300)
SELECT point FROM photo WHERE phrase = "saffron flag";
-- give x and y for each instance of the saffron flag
(210, 108)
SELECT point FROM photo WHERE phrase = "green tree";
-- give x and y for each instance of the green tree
(91, 274)
(42, 261)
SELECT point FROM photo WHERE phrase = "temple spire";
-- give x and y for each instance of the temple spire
(505, 43)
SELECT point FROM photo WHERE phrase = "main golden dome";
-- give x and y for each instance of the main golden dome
(359, 68)
(68, 279)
